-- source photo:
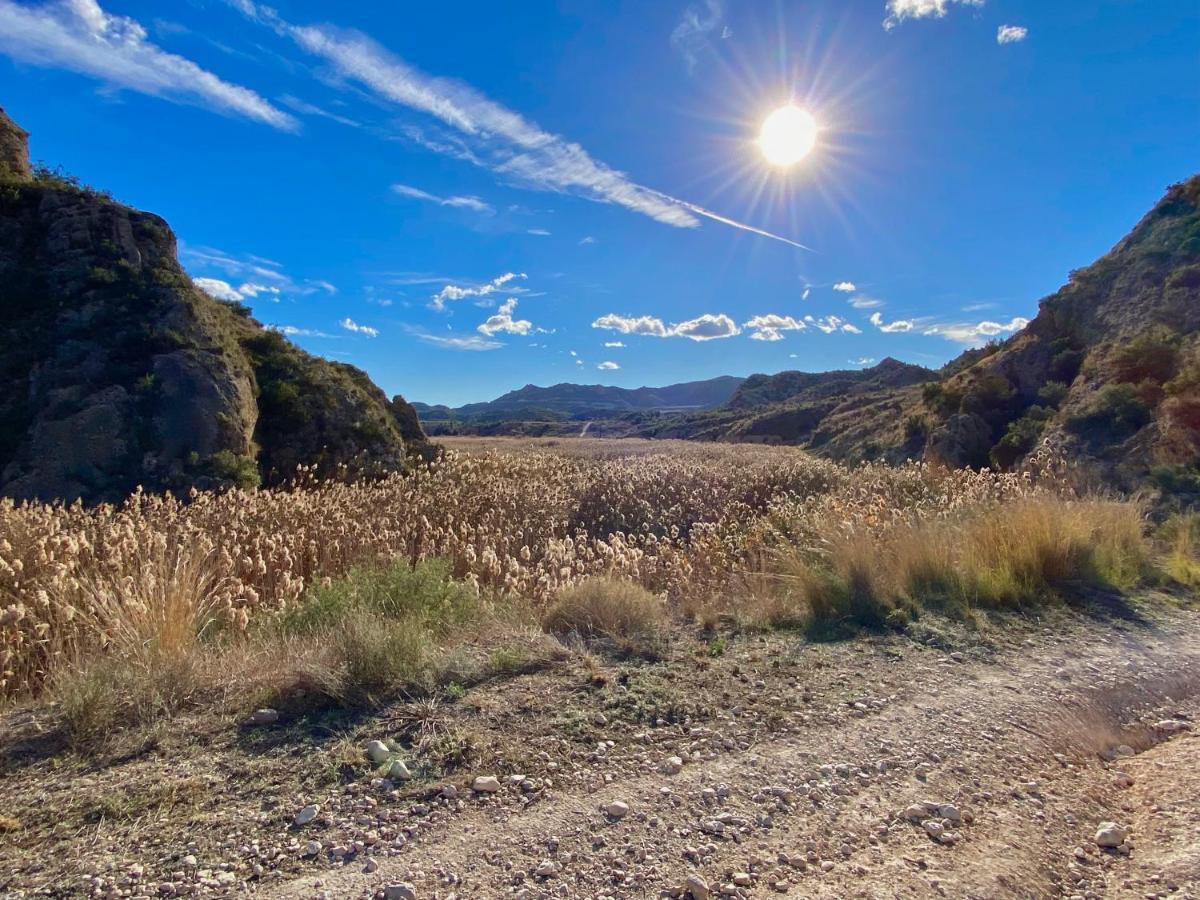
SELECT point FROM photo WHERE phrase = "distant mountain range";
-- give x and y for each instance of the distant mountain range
(573, 402)
(1107, 374)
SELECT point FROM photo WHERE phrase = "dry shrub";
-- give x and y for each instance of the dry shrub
(609, 611)
(1181, 536)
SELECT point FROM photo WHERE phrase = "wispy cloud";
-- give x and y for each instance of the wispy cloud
(830, 324)
(293, 331)
(899, 10)
(980, 332)
(845, 287)
(468, 201)
(350, 325)
(588, 239)
(503, 321)
(308, 109)
(472, 342)
(608, 365)
(862, 361)
(695, 28)
(771, 327)
(484, 132)
(614, 343)
(80, 36)
(457, 292)
(862, 301)
(539, 232)
(260, 275)
(900, 325)
(1011, 34)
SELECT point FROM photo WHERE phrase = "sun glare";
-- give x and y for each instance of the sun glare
(788, 135)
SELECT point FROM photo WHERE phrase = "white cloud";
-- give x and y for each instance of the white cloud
(862, 361)
(608, 365)
(862, 301)
(830, 324)
(80, 36)
(215, 287)
(846, 287)
(770, 327)
(806, 293)
(538, 232)
(351, 325)
(645, 325)
(486, 133)
(900, 325)
(707, 327)
(503, 321)
(979, 332)
(457, 202)
(456, 292)
(614, 343)
(1011, 34)
(692, 33)
(899, 10)
(587, 239)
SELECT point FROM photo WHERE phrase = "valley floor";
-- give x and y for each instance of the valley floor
(798, 765)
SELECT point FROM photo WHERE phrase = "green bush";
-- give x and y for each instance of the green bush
(1053, 393)
(1151, 356)
(1116, 407)
(232, 469)
(1022, 436)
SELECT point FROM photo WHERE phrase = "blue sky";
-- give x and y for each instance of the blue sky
(465, 198)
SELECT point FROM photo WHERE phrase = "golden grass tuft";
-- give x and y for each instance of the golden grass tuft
(609, 611)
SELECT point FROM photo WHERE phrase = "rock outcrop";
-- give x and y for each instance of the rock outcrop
(116, 371)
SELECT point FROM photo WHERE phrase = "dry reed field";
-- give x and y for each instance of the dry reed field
(369, 583)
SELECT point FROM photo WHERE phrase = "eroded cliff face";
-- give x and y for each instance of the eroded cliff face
(116, 371)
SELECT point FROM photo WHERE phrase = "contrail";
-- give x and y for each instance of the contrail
(733, 223)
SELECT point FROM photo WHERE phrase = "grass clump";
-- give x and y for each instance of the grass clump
(609, 611)
(378, 628)
(1008, 556)
(1181, 536)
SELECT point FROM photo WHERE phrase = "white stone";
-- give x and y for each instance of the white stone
(934, 829)
(399, 771)
(378, 751)
(486, 784)
(312, 848)
(1171, 726)
(672, 765)
(399, 892)
(618, 809)
(307, 814)
(548, 868)
(264, 717)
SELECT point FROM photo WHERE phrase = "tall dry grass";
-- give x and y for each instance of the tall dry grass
(217, 582)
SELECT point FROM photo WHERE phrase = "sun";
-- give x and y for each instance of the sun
(788, 135)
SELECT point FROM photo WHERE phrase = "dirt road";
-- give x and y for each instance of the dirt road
(1017, 754)
(942, 763)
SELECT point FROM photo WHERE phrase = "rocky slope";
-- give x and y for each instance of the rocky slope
(116, 371)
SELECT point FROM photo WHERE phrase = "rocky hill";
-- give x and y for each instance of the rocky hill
(116, 371)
